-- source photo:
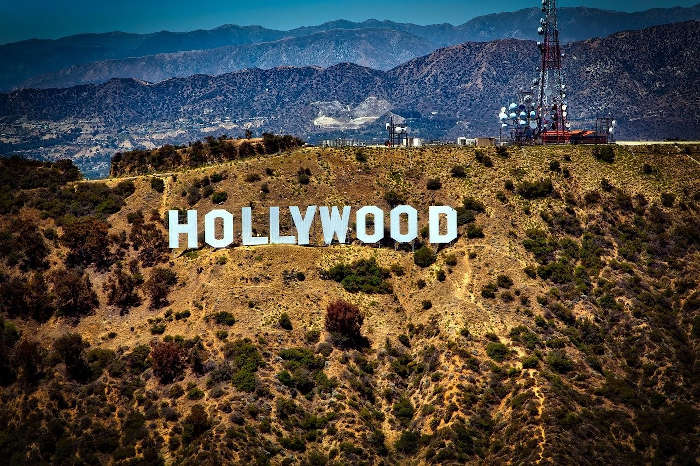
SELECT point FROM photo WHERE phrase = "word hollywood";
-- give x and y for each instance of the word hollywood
(403, 221)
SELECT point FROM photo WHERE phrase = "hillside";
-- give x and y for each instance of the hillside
(81, 58)
(561, 327)
(455, 91)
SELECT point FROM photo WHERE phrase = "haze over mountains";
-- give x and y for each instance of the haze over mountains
(95, 58)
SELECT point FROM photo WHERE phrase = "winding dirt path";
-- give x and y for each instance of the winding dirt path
(540, 408)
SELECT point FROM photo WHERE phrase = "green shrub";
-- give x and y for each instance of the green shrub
(224, 318)
(535, 189)
(408, 442)
(604, 153)
(285, 322)
(304, 175)
(489, 290)
(497, 351)
(504, 281)
(219, 197)
(559, 361)
(427, 304)
(312, 336)
(424, 257)
(157, 184)
(530, 362)
(667, 199)
(403, 410)
(458, 171)
(245, 361)
(475, 231)
(434, 184)
(362, 275)
(394, 198)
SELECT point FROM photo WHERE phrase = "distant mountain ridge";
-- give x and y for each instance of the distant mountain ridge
(453, 91)
(64, 62)
(374, 48)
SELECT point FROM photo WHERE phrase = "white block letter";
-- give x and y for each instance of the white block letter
(275, 237)
(412, 223)
(303, 224)
(334, 223)
(210, 228)
(435, 212)
(247, 229)
(361, 220)
(175, 228)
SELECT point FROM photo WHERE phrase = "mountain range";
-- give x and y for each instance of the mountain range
(647, 79)
(95, 58)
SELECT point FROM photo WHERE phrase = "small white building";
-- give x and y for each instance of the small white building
(462, 141)
(411, 142)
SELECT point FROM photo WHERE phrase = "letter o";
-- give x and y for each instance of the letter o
(361, 220)
(412, 223)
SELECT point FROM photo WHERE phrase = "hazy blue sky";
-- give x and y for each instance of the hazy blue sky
(54, 18)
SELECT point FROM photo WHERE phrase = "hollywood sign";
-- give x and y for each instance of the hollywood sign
(403, 221)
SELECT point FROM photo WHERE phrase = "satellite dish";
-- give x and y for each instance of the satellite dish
(522, 122)
(568, 125)
(513, 115)
(540, 30)
(564, 107)
(533, 125)
(503, 125)
(513, 106)
(503, 110)
(523, 115)
(548, 92)
(614, 122)
(533, 114)
(611, 130)
(564, 114)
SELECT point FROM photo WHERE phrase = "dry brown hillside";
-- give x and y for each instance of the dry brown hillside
(560, 327)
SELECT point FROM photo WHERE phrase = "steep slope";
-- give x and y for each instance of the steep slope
(562, 326)
(22, 62)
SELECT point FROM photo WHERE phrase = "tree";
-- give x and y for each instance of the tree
(159, 284)
(195, 424)
(28, 357)
(344, 320)
(150, 243)
(88, 241)
(122, 288)
(71, 349)
(168, 361)
(73, 292)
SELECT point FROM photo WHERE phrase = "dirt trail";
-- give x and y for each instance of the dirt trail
(540, 408)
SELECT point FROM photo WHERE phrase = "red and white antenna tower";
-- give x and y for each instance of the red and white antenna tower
(551, 104)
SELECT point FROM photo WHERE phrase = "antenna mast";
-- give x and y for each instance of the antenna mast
(551, 104)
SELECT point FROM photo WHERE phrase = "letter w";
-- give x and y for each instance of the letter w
(334, 224)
